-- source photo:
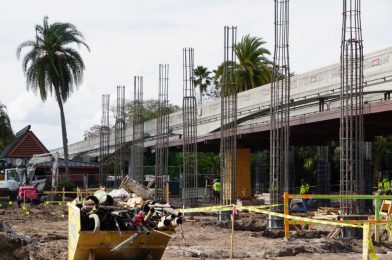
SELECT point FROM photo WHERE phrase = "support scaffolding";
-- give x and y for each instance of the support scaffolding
(189, 148)
(280, 96)
(161, 147)
(119, 136)
(104, 137)
(351, 133)
(138, 131)
(228, 143)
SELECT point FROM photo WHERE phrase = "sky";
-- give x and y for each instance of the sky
(132, 37)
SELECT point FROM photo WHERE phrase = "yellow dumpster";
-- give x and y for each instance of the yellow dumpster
(89, 245)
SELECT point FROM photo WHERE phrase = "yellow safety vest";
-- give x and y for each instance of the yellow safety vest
(216, 187)
(304, 189)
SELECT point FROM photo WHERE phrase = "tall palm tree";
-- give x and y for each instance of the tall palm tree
(252, 68)
(201, 79)
(6, 134)
(51, 65)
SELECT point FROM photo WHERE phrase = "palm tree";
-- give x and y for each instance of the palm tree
(6, 134)
(201, 79)
(52, 66)
(253, 68)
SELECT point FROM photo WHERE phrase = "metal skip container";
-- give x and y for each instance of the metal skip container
(90, 245)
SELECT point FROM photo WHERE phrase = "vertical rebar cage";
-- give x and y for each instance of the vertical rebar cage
(189, 148)
(280, 96)
(228, 143)
(351, 133)
(119, 136)
(161, 147)
(104, 137)
(137, 157)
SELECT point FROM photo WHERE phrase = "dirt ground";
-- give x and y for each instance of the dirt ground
(43, 235)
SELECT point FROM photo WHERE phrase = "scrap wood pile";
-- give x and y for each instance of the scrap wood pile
(327, 213)
(129, 208)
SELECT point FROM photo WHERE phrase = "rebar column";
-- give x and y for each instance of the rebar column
(228, 142)
(161, 147)
(323, 171)
(351, 132)
(189, 147)
(280, 96)
(119, 136)
(137, 156)
(104, 137)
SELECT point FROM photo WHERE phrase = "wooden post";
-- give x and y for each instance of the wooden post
(232, 232)
(63, 199)
(167, 191)
(286, 212)
(365, 241)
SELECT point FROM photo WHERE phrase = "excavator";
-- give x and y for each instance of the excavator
(30, 188)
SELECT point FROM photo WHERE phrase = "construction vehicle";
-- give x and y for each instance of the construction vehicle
(9, 182)
(30, 188)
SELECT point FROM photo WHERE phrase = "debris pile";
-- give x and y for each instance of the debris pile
(12, 245)
(129, 208)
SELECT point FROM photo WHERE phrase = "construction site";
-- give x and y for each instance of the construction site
(259, 202)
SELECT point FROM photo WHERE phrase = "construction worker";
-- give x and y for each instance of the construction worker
(380, 187)
(386, 185)
(216, 188)
(304, 189)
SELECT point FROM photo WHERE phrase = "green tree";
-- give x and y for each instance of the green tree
(6, 133)
(253, 68)
(150, 109)
(92, 132)
(306, 158)
(208, 162)
(51, 65)
(202, 80)
(382, 153)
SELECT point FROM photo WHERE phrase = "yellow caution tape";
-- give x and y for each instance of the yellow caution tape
(27, 212)
(372, 251)
(389, 229)
(10, 203)
(368, 247)
(305, 220)
(206, 209)
(223, 208)
(46, 203)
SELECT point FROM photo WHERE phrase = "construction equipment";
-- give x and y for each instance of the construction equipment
(108, 226)
(9, 183)
(30, 187)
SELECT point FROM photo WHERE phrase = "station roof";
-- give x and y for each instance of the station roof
(24, 145)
